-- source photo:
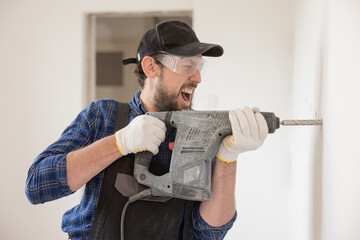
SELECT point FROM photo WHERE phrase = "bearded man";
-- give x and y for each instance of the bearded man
(97, 150)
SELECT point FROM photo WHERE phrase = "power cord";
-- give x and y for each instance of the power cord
(138, 196)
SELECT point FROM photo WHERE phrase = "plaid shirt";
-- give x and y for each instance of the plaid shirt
(47, 178)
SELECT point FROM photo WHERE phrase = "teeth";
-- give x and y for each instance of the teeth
(188, 91)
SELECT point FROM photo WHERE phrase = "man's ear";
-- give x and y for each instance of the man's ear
(149, 67)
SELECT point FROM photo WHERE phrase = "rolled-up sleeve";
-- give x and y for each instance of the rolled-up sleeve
(47, 180)
(202, 230)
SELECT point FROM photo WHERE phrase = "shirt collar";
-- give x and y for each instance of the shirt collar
(136, 104)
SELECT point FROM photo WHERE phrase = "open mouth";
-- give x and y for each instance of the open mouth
(186, 94)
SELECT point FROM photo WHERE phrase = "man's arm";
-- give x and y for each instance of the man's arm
(83, 151)
(221, 209)
(85, 163)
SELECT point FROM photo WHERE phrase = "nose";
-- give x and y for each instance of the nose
(196, 77)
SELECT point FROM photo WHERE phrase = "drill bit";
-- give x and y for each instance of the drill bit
(305, 122)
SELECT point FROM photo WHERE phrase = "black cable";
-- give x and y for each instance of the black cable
(138, 196)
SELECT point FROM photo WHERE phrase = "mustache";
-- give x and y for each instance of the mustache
(191, 84)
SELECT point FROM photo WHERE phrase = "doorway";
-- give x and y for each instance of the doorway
(111, 38)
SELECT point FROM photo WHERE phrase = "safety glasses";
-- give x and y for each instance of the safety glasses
(185, 66)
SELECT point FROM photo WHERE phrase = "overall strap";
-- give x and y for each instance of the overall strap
(105, 197)
(122, 116)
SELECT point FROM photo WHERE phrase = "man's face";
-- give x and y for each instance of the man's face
(173, 91)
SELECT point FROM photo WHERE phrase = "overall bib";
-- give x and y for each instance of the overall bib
(151, 218)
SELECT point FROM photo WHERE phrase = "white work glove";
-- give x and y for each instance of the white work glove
(249, 130)
(144, 133)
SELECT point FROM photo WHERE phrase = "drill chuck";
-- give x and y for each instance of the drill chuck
(274, 122)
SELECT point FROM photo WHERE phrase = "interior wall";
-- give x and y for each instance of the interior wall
(340, 104)
(326, 73)
(306, 142)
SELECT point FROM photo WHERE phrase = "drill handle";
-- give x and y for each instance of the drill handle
(160, 185)
(143, 158)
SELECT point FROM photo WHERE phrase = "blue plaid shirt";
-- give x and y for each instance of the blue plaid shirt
(47, 178)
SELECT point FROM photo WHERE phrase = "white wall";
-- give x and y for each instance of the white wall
(340, 104)
(306, 141)
(326, 83)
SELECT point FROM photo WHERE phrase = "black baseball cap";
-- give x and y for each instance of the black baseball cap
(176, 38)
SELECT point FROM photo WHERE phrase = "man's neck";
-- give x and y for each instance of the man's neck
(147, 101)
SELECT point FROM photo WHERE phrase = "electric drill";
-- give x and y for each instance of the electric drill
(198, 137)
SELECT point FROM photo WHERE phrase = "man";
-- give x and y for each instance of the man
(94, 151)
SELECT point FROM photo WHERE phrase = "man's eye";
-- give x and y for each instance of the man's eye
(188, 66)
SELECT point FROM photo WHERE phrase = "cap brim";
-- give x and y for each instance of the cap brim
(197, 48)
(129, 61)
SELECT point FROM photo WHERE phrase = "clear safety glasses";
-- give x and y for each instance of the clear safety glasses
(185, 66)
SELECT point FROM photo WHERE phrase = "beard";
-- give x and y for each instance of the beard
(165, 101)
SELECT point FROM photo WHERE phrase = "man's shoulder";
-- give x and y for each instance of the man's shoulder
(102, 107)
(104, 103)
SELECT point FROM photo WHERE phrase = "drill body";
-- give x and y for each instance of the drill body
(198, 137)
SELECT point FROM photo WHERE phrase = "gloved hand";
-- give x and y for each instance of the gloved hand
(249, 132)
(143, 133)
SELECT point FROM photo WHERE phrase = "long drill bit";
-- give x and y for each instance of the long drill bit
(305, 122)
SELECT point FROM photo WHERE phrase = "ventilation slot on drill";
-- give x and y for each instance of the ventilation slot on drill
(192, 150)
(221, 119)
(218, 116)
(195, 134)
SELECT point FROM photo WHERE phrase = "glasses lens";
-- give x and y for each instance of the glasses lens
(189, 66)
(185, 66)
